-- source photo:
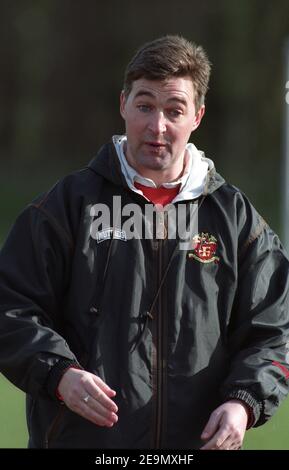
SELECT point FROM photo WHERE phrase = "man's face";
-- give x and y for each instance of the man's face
(159, 118)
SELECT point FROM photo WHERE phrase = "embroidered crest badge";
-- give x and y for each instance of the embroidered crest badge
(204, 248)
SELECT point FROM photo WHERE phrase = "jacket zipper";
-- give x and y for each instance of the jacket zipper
(159, 328)
(159, 350)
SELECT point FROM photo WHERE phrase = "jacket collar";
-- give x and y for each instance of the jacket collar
(106, 164)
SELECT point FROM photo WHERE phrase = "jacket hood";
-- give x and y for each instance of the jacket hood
(106, 164)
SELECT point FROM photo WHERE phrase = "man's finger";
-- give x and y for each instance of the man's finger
(103, 411)
(103, 386)
(95, 417)
(211, 426)
(100, 396)
(217, 442)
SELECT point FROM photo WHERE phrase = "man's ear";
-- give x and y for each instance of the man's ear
(198, 117)
(122, 104)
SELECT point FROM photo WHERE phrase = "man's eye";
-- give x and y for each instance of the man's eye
(144, 108)
(175, 112)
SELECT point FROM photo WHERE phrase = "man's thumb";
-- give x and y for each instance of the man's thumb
(210, 428)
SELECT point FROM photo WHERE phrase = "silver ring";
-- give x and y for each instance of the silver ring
(85, 399)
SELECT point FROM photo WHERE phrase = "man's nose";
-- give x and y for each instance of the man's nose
(158, 123)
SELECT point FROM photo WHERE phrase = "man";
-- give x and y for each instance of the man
(141, 341)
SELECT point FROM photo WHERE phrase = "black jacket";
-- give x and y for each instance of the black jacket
(174, 332)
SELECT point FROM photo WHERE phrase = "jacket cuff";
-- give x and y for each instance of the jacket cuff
(254, 405)
(56, 374)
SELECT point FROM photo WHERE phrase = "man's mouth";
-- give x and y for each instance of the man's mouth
(155, 145)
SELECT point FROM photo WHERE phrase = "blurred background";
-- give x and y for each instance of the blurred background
(61, 71)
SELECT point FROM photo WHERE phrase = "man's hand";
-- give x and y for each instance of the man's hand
(86, 394)
(226, 427)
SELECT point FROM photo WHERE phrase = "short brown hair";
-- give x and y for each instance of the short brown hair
(170, 56)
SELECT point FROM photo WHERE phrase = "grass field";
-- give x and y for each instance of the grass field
(13, 433)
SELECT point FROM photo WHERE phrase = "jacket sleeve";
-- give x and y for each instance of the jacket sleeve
(34, 266)
(258, 337)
